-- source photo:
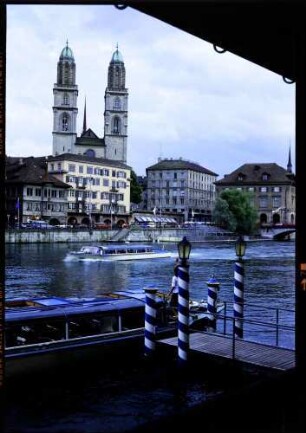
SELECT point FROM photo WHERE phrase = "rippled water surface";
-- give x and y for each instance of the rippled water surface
(121, 400)
(41, 270)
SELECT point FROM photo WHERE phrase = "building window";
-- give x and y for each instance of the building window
(89, 170)
(91, 153)
(276, 202)
(116, 125)
(263, 189)
(265, 177)
(29, 191)
(263, 202)
(117, 104)
(81, 169)
(277, 189)
(66, 99)
(71, 167)
(65, 122)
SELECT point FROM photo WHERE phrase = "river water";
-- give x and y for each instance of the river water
(127, 397)
(42, 270)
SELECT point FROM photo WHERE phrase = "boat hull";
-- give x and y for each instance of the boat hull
(63, 356)
(121, 257)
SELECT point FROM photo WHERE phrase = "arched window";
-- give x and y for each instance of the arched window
(276, 218)
(90, 152)
(116, 125)
(65, 120)
(117, 104)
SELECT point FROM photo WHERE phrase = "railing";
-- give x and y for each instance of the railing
(278, 328)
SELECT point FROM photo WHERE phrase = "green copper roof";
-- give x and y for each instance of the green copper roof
(66, 53)
(117, 57)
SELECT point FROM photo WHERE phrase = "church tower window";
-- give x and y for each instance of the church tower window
(65, 122)
(116, 125)
(66, 99)
(117, 104)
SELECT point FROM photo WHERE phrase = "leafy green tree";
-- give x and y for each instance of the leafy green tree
(136, 189)
(234, 211)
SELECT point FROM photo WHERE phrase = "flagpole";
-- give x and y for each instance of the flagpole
(18, 212)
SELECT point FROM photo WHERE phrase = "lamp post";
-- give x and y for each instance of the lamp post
(112, 205)
(90, 205)
(240, 247)
(184, 248)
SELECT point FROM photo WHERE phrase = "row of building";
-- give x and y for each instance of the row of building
(78, 189)
(86, 180)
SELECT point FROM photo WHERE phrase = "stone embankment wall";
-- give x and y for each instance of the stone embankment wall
(139, 235)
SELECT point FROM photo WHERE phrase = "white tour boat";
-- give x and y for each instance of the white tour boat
(118, 252)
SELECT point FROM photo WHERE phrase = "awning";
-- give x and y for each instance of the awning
(155, 219)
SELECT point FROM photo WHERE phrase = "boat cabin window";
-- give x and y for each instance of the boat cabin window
(91, 250)
(132, 319)
(93, 325)
(34, 332)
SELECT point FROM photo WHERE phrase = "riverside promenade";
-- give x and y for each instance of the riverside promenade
(135, 234)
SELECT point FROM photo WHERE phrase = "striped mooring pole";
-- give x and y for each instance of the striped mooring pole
(238, 298)
(183, 312)
(150, 321)
(212, 296)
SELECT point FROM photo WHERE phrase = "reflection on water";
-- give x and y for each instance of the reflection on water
(40, 269)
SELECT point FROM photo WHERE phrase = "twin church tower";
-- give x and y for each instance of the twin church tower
(65, 110)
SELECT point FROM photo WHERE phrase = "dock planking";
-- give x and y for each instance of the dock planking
(248, 352)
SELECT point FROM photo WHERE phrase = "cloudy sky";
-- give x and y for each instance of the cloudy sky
(185, 100)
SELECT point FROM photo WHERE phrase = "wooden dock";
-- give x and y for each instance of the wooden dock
(221, 346)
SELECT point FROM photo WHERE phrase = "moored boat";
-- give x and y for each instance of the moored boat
(118, 252)
(50, 332)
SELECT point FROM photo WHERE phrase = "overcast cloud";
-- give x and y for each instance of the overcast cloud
(185, 100)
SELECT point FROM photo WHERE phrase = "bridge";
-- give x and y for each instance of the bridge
(277, 232)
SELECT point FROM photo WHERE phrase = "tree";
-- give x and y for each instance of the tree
(136, 189)
(234, 211)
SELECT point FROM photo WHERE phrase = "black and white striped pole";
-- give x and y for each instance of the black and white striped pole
(240, 247)
(212, 297)
(150, 321)
(184, 248)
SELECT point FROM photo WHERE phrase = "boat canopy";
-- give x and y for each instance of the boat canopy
(44, 308)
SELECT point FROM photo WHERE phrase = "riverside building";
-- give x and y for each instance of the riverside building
(181, 187)
(272, 190)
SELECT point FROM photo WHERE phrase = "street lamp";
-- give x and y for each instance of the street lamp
(240, 247)
(183, 248)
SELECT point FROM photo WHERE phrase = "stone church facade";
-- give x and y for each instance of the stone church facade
(113, 146)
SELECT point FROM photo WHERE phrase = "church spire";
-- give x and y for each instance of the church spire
(84, 119)
(289, 165)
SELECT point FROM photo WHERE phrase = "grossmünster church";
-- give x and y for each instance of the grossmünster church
(113, 145)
